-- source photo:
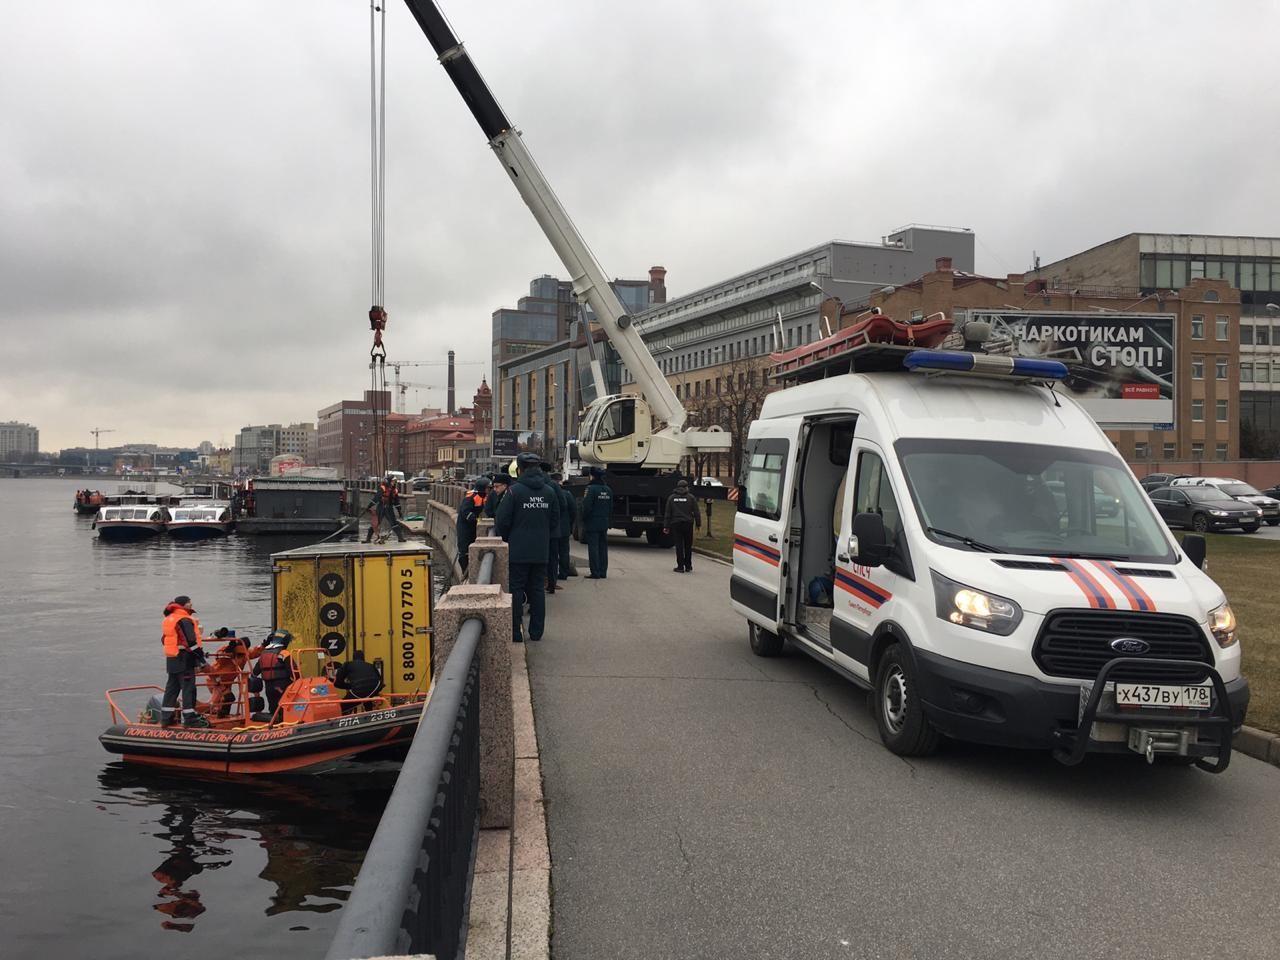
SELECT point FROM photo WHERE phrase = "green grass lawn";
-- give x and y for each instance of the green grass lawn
(720, 542)
(1244, 566)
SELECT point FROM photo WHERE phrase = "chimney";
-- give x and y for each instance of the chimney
(942, 264)
(453, 409)
(657, 284)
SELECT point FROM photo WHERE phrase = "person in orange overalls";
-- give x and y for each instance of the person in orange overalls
(226, 668)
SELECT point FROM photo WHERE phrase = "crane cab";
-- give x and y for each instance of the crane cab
(616, 429)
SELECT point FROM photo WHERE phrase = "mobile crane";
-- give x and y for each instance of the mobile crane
(641, 439)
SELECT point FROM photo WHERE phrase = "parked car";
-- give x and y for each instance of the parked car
(1104, 504)
(709, 482)
(420, 484)
(1269, 505)
(1153, 481)
(1204, 508)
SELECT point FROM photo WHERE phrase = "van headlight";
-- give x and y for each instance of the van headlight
(970, 607)
(1222, 624)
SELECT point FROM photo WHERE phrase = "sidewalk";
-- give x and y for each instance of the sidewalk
(703, 802)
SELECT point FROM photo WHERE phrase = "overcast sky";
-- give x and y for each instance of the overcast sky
(184, 187)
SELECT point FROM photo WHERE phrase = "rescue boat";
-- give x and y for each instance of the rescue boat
(314, 726)
(199, 521)
(89, 501)
(139, 521)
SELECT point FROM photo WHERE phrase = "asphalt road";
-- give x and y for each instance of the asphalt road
(703, 802)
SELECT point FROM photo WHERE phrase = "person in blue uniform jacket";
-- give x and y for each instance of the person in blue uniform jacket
(597, 509)
(553, 547)
(568, 507)
(525, 518)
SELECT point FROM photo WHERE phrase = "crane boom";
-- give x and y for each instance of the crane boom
(589, 280)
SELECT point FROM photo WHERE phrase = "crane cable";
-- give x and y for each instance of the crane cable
(377, 182)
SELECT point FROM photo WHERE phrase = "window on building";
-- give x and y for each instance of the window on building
(1197, 451)
(1261, 335)
(1246, 373)
(1140, 450)
(1221, 410)
(1220, 451)
(697, 388)
(1170, 451)
(1246, 275)
(1220, 368)
(1220, 327)
(1197, 328)
(1197, 367)
(1262, 373)
(1275, 335)
(790, 334)
(1246, 334)
(1197, 411)
(808, 337)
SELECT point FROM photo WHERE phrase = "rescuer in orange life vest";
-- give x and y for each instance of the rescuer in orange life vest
(180, 635)
(275, 667)
(225, 669)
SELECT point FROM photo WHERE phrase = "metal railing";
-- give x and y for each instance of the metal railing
(411, 895)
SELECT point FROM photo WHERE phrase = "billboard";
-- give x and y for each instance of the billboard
(508, 444)
(1120, 365)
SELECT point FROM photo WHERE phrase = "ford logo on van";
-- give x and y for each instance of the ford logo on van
(1130, 645)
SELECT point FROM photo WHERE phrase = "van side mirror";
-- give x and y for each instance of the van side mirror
(1193, 545)
(869, 544)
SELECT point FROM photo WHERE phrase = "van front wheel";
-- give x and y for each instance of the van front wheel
(764, 643)
(904, 728)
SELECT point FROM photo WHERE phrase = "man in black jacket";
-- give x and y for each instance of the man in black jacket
(568, 508)
(360, 679)
(682, 516)
(525, 518)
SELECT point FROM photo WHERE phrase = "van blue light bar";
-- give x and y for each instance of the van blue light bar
(988, 365)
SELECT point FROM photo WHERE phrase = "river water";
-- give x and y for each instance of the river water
(103, 861)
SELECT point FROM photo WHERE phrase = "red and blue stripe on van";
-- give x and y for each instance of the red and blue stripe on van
(862, 588)
(754, 548)
(1093, 585)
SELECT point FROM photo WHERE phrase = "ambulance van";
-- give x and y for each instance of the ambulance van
(962, 539)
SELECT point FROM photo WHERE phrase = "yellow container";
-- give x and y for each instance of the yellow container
(344, 597)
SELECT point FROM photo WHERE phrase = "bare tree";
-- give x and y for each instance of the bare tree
(737, 392)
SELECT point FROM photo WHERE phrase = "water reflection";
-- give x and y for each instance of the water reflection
(314, 831)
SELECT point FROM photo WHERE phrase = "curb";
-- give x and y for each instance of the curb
(718, 558)
(1258, 744)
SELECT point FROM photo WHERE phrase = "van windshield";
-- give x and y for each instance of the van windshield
(1031, 499)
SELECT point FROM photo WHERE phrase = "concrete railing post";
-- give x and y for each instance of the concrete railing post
(499, 549)
(484, 527)
(491, 604)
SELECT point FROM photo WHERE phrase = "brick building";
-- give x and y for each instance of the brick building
(1207, 347)
(345, 435)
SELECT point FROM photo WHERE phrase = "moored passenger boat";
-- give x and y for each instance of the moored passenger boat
(139, 521)
(200, 521)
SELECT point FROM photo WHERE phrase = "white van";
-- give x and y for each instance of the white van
(965, 542)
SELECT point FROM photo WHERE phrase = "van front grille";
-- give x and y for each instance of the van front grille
(1077, 644)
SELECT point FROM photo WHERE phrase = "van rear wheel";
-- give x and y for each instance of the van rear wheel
(764, 643)
(904, 728)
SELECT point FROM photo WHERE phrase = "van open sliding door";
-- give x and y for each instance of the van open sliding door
(765, 482)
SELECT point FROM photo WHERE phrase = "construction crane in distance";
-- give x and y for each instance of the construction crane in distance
(97, 432)
(395, 366)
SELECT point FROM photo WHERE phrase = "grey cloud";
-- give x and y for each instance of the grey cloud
(191, 181)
